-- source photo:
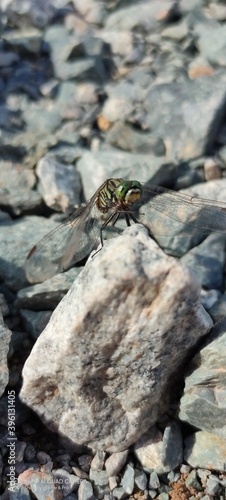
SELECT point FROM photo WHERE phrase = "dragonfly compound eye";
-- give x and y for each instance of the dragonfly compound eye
(129, 192)
(134, 194)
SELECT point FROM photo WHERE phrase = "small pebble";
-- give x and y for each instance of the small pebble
(98, 460)
(141, 479)
(154, 482)
(192, 481)
(128, 479)
(100, 478)
(100, 491)
(203, 474)
(113, 482)
(185, 469)
(84, 462)
(115, 462)
(173, 476)
(163, 496)
(85, 491)
(119, 493)
(80, 473)
(30, 453)
(153, 493)
(63, 459)
(212, 485)
(43, 457)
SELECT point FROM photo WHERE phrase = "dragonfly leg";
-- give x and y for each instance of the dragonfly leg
(114, 217)
(127, 219)
(133, 218)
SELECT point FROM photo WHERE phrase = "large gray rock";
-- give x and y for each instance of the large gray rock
(99, 371)
(203, 404)
(114, 163)
(205, 450)
(177, 113)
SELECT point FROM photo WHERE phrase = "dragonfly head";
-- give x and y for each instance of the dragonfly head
(129, 191)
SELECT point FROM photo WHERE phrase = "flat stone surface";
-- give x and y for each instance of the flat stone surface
(207, 261)
(125, 265)
(184, 127)
(46, 295)
(203, 403)
(115, 462)
(206, 450)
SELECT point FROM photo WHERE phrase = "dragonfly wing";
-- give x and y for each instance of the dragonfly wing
(67, 244)
(189, 211)
(170, 215)
(83, 238)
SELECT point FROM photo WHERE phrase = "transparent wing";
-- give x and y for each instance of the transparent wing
(67, 244)
(179, 221)
(206, 215)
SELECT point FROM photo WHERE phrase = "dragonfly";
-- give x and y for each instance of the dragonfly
(74, 239)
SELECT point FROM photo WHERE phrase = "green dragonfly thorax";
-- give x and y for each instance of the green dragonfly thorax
(118, 193)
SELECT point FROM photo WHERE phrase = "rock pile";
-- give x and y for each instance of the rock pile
(123, 393)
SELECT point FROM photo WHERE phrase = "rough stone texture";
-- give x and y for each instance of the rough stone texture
(35, 321)
(103, 383)
(178, 113)
(212, 44)
(5, 335)
(203, 404)
(21, 234)
(207, 260)
(144, 16)
(16, 193)
(125, 137)
(115, 462)
(60, 184)
(205, 450)
(48, 294)
(160, 452)
(120, 164)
